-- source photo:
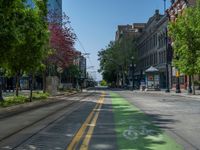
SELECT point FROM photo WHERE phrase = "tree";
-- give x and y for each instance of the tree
(103, 83)
(28, 52)
(185, 34)
(9, 33)
(116, 58)
(37, 39)
(62, 41)
(10, 36)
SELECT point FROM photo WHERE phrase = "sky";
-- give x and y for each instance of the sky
(95, 22)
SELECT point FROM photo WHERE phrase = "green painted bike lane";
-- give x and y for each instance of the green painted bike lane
(136, 131)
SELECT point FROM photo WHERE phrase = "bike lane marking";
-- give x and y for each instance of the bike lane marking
(77, 138)
(136, 130)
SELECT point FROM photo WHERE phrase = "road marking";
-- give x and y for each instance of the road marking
(83, 128)
(88, 136)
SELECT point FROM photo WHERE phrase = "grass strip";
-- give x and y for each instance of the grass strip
(136, 131)
(21, 99)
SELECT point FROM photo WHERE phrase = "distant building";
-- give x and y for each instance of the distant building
(82, 67)
(54, 6)
(129, 30)
(80, 61)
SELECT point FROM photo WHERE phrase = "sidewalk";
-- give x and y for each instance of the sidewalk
(184, 93)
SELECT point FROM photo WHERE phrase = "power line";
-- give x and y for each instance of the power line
(81, 45)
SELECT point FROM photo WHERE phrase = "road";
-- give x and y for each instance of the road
(102, 119)
(178, 116)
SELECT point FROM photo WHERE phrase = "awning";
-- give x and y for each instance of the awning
(152, 69)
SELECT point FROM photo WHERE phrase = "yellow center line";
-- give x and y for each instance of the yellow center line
(81, 131)
(88, 136)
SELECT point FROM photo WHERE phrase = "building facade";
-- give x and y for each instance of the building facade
(152, 48)
(55, 6)
(133, 31)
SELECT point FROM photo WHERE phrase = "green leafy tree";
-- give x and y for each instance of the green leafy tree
(115, 60)
(32, 34)
(185, 34)
(74, 73)
(10, 36)
(103, 83)
(9, 33)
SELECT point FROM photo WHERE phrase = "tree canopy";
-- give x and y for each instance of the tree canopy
(62, 41)
(115, 60)
(185, 34)
(24, 36)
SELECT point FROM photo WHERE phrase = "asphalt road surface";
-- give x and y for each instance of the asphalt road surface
(179, 116)
(102, 119)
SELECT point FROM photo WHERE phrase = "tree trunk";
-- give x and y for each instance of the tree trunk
(31, 87)
(1, 94)
(193, 86)
(199, 84)
(44, 82)
(117, 81)
(123, 79)
(17, 84)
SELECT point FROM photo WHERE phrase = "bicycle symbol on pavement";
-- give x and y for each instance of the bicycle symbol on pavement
(133, 133)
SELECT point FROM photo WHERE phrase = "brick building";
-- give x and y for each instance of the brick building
(133, 30)
(151, 48)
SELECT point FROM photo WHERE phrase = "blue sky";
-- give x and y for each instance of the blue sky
(95, 21)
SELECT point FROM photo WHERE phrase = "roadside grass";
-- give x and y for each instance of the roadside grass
(136, 131)
(69, 90)
(21, 99)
